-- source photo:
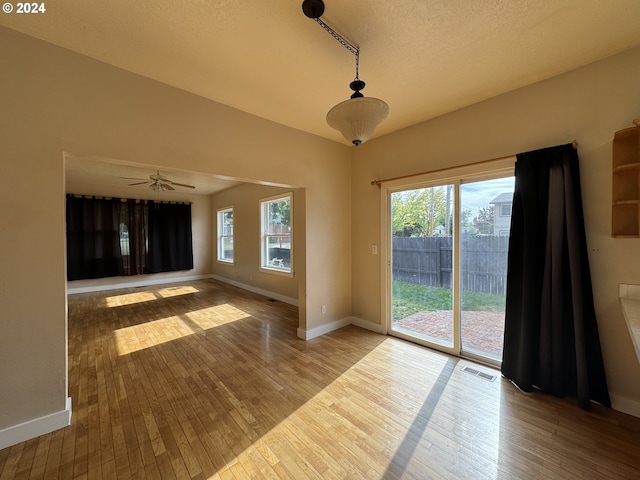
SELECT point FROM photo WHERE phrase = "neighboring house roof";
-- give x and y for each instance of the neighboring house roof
(503, 198)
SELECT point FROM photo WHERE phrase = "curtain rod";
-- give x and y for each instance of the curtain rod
(380, 182)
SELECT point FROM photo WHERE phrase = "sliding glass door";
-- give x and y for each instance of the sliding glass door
(448, 246)
(486, 219)
(421, 255)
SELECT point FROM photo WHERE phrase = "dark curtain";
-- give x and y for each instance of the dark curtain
(133, 215)
(93, 238)
(551, 337)
(170, 246)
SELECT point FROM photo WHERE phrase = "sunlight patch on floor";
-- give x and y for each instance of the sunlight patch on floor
(215, 316)
(422, 389)
(138, 337)
(348, 404)
(147, 296)
(175, 291)
(149, 334)
(129, 299)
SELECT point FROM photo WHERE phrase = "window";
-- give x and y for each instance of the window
(225, 235)
(277, 234)
(505, 210)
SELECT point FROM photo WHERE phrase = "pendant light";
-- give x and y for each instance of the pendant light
(358, 117)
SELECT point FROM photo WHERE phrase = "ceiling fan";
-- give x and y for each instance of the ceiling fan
(157, 182)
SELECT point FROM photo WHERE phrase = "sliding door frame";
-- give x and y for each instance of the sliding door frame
(455, 176)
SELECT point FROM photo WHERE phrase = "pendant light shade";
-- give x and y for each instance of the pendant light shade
(357, 118)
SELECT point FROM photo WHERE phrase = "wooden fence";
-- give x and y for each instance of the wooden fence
(429, 261)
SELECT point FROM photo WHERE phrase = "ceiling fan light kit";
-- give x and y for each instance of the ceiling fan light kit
(358, 117)
(160, 187)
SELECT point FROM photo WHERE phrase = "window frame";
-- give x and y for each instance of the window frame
(264, 236)
(221, 236)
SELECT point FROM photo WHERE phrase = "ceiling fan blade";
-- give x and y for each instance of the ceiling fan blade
(139, 183)
(134, 178)
(182, 185)
(168, 187)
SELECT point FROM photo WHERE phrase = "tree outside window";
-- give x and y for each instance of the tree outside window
(277, 234)
(225, 235)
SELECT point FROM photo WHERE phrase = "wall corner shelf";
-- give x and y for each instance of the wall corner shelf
(625, 205)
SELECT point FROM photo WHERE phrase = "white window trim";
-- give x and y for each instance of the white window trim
(220, 236)
(263, 236)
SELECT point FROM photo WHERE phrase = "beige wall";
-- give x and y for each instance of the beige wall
(588, 105)
(201, 221)
(245, 200)
(54, 101)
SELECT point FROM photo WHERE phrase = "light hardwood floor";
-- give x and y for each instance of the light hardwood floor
(202, 380)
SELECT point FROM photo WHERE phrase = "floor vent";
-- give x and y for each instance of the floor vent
(478, 373)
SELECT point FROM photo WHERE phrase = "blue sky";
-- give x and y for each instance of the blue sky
(477, 195)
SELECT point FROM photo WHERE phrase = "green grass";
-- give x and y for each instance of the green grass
(409, 298)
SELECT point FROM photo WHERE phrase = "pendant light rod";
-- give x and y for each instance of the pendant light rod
(343, 41)
(314, 9)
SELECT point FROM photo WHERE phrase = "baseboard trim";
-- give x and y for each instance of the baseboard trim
(36, 427)
(323, 329)
(625, 405)
(145, 282)
(359, 322)
(330, 327)
(259, 291)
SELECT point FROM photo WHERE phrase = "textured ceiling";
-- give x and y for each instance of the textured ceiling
(423, 57)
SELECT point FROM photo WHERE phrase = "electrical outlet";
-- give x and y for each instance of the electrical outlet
(323, 309)
(374, 249)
